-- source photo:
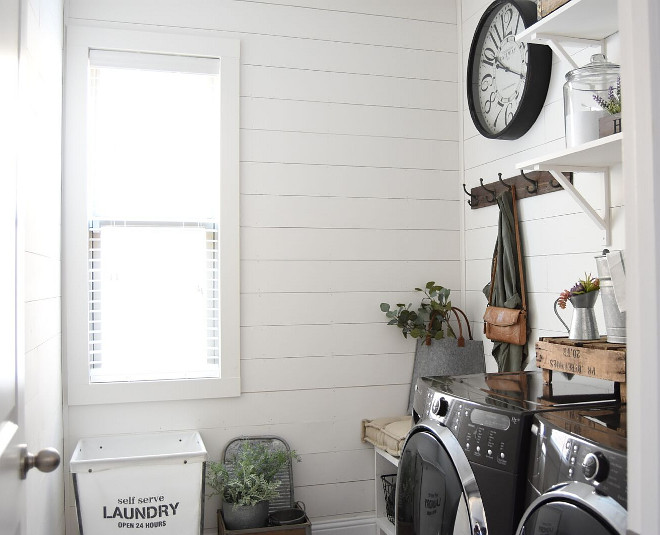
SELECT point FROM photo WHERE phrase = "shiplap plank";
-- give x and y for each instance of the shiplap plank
(43, 272)
(334, 467)
(347, 244)
(330, 118)
(318, 86)
(352, 213)
(327, 180)
(477, 274)
(43, 367)
(263, 50)
(337, 498)
(251, 409)
(267, 341)
(307, 308)
(273, 19)
(373, 402)
(479, 243)
(334, 149)
(42, 321)
(346, 276)
(322, 436)
(430, 10)
(265, 408)
(263, 375)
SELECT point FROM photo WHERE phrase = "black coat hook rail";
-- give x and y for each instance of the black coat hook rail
(527, 185)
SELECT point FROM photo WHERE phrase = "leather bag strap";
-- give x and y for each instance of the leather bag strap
(521, 273)
(467, 322)
(460, 339)
(493, 269)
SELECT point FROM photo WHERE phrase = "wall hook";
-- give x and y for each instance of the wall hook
(530, 189)
(474, 200)
(499, 177)
(492, 192)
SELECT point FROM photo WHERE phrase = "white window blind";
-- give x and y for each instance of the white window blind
(153, 217)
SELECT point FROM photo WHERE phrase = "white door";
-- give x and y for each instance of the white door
(11, 491)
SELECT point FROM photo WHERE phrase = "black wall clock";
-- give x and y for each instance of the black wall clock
(507, 81)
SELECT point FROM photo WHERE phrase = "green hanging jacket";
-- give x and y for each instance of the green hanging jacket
(509, 357)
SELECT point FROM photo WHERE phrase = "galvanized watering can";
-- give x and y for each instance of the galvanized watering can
(583, 325)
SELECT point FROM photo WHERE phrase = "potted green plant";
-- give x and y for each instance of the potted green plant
(588, 285)
(438, 350)
(246, 482)
(430, 319)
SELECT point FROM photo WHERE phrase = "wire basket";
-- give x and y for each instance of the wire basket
(389, 488)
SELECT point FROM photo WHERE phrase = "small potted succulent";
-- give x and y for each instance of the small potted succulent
(582, 295)
(430, 319)
(246, 482)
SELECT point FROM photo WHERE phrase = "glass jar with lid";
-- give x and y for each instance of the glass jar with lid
(587, 92)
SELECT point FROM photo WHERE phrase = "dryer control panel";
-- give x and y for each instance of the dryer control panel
(588, 463)
(488, 436)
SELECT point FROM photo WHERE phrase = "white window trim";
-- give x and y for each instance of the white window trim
(80, 39)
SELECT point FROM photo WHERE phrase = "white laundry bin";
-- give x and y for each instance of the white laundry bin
(151, 483)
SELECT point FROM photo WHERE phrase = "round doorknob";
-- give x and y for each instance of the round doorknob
(46, 460)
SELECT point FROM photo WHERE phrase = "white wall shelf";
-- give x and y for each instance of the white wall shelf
(384, 464)
(595, 156)
(586, 22)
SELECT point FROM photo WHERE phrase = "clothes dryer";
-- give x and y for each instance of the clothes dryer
(462, 470)
(577, 475)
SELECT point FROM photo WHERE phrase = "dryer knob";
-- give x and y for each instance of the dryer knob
(440, 407)
(595, 467)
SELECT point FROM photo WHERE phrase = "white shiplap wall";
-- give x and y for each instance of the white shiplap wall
(39, 175)
(349, 173)
(559, 241)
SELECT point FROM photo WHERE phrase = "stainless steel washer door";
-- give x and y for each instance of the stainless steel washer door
(436, 491)
(571, 508)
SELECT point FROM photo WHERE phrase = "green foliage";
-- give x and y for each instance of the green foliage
(429, 320)
(247, 477)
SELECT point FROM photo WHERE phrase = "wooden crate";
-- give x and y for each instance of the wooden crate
(292, 529)
(591, 358)
(545, 7)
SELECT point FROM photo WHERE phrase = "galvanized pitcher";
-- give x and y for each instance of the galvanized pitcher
(583, 325)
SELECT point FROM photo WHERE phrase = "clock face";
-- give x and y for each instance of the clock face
(501, 72)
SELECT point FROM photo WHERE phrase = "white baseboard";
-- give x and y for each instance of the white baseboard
(345, 526)
(342, 526)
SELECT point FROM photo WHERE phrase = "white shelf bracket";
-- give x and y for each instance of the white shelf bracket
(557, 42)
(604, 222)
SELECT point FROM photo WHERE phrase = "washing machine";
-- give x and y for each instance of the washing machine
(577, 474)
(463, 467)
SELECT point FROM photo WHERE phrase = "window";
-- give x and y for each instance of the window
(150, 216)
